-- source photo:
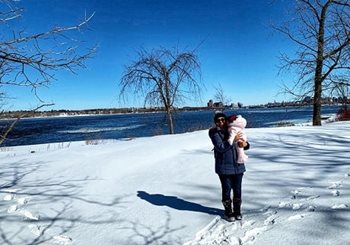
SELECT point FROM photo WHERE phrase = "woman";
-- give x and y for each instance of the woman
(226, 166)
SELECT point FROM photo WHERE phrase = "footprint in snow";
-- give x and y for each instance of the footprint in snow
(335, 193)
(62, 240)
(28, 215)
(311, 208)
(339, 206)
(284, 205)
(36, 229)
(295, 193)
(303, 203)
(297, 206)
(312, 197)
(250, 235)
(16, 207)
(12, 209)
(296, 217)
(335, 185)
(10, 194)
(233, 240)
(22, 200)
(265, 209)
(9, 197)
(248, 224)
(270, 220)
(270, 212)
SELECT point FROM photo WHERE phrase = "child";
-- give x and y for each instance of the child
(236, 124)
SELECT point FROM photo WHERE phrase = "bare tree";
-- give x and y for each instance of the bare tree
(321, 31)
(31, 59)
(342, 89)
(220, 95)
(163, 77)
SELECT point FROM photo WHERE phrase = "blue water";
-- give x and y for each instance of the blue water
(81, 128)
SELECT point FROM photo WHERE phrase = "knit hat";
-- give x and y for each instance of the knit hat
(218, 115)
(232, 118)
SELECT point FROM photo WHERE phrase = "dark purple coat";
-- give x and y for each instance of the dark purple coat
(224, 153)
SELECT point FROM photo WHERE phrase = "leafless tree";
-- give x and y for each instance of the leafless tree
(220, 95)
(342, 91)
(31, 59)
(163, 77)
(321, 31)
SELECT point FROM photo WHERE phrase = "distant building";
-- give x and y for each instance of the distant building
(218, 104)
(308, 100)
(212, 104)
(233, 105)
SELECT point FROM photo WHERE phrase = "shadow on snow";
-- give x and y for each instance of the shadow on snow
(59, 195)
(177, 203)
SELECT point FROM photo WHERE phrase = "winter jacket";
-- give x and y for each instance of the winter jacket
(235, 127)
(225, 154)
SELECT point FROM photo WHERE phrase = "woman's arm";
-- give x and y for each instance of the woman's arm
(219, 144)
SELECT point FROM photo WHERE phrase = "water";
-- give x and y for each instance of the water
(85, 128)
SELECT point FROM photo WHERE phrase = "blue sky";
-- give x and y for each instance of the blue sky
(239, 49)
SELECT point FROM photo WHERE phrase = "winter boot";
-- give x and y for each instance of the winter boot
(228, 214)
(237, 208)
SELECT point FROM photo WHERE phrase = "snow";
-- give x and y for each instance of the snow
(163, 190)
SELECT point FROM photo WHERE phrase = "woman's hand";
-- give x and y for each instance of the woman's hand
(238, 137)
(240, 142)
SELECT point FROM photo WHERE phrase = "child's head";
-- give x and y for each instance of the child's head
(231, 118)
(237, 121)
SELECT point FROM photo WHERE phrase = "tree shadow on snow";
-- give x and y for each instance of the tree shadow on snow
(22, 222)
(177, 203)
(162, 233)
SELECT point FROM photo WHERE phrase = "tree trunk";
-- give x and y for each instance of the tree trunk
(170, 121)
(316, 119)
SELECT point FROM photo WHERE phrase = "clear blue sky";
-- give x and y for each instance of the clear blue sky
(239, 50)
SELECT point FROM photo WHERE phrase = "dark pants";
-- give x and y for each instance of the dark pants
(231, 182)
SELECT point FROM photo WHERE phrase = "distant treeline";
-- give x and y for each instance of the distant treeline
(110, 111)
(51, 113)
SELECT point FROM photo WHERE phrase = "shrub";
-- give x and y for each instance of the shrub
(343, 114)
(284, 124)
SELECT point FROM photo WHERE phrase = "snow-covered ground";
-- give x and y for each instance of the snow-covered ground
(163, 190)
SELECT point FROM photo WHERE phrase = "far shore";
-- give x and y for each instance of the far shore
(10, 115)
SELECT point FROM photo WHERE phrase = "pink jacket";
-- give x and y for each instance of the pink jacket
(238, 125)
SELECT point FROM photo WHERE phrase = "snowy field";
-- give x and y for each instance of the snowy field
(163, 190)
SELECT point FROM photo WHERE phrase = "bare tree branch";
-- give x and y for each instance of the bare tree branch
(32, 59)
(321, 31)
(163, 77)
(220, 96)
(25, 62)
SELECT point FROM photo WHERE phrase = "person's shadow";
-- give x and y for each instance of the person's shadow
(177, 203)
